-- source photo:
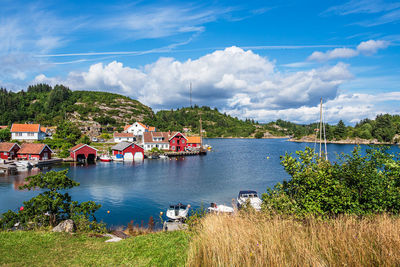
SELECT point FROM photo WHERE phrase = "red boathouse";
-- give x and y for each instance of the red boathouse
(34, 151)
(83, 152)
(9, 150)
(129, 150)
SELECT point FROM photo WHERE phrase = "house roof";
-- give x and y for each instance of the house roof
(43, 129)
(6, 147)
(116, 134)
(127, 127)
(25, 128)
(144, 126)
(3, 127)
(152, 129)
(31, 148)
(175, 133)
(121, 146)
(79, 146)
(194, 139)
(148, 137)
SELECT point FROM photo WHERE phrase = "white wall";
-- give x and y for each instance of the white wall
(27, 136)
(136, 129)
(121, 139)
(149, 146)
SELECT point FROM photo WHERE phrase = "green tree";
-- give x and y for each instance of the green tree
(84, 140)
(384, 130)
(340, 130)
(68, 132)
(52, 205)
(259, 135)
(5, 135)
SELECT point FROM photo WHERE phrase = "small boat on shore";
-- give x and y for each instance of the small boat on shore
(249, 197)
(178, 212)
(214, 208)
(105, 158)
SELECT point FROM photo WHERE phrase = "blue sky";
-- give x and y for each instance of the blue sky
(252, 59)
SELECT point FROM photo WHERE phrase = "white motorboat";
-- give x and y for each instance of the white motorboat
(23, 164)
(163, 157)
(178, 212)
(214, 208)
(118, 157)
(251, 197)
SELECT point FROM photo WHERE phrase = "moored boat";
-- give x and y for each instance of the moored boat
(249, 197)
(214, 208)
(178, 212)
(105, 158)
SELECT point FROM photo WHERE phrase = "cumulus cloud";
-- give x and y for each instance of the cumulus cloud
(232, 78)
(367, 48)
(238, 82)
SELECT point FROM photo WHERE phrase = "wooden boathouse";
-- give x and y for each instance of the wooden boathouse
(83, 152)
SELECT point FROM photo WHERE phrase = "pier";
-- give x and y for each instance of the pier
(185, 153)
(8, 168)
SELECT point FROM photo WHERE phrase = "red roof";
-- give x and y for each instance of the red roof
(25, 128)
(43, 129)
(116, 134)
(6, 147)
(127, 127)
(3, 127)
(152, 129)
(172, 135)
(148, 137)
(144, 126)
(30, 148)
(79, 146)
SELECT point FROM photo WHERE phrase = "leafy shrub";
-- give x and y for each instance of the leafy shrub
(52, 205)
(355, 184)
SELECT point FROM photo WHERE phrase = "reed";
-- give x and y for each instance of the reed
(258, 240)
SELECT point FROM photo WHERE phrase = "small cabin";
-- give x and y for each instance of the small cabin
(83, 152)
(194, 141)
(9, 150)
(34, 151)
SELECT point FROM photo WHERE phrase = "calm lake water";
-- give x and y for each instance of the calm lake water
(136, 191)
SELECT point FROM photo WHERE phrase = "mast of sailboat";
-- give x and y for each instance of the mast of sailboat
(190, 94)
(320, 129)
(201, 135)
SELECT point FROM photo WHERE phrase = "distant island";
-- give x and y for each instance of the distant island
(103, 112)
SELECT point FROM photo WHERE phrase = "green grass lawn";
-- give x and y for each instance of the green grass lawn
(47, 249)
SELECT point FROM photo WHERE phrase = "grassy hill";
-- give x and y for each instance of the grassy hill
(46, 105)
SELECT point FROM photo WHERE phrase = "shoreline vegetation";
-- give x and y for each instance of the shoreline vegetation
(326, 214)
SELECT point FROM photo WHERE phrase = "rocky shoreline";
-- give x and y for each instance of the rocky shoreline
(348, 141)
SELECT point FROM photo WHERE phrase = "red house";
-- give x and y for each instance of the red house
(194, 141)
(177, 142)
(9, 150)
(128, 150)
(83, 152)
(34, 151)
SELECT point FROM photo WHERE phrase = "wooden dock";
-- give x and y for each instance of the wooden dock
(47, 162)
(185, 153)
(8, 168)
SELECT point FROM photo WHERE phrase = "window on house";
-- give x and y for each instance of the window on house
(18, 134)
(30, 134)
(173, 147)
(173, 141)
(183, 141)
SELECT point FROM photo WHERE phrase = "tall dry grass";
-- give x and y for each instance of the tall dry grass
(257, 240)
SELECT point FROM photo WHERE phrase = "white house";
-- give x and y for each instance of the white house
(27, 132)
(156, 139)
(138, 129)
(121, 137)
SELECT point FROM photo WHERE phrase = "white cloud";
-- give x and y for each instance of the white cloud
(372, 46)
(231, 78)
(363, 6)
(368, 48)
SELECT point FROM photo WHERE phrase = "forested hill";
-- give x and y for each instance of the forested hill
(214, 123)
(46, 105)
(384, 128)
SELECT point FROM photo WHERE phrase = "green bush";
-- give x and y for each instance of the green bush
(355, 184)
(52, 205)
